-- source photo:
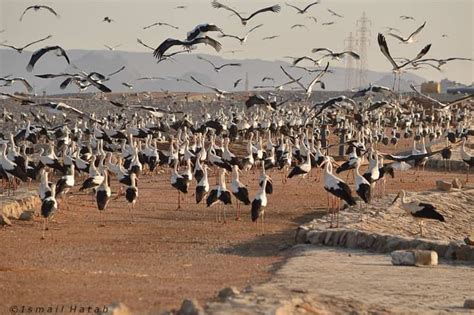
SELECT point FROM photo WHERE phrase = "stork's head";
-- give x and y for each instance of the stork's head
(400, 194)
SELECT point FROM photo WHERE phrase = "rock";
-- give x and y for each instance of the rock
(469, 303)
(4, 220)
(444, 186)
(300, 237)
(457, 183)
(116, 309)
(27, 215)
(228, 292)
(414, 258)
(464, 252)
(469, 240)
(190, 307)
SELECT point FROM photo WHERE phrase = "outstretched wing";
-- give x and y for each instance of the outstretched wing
(254, 28)
(310, 5)
(230, 65)
(397, 37)
(206, 60)
(9, 46)
(426, 96)
(384, 49)
(274, 9)
(27, 85)
(292, 78)
(297, 60)
(315, 50)
(39, 53)
(115, 72)
(50, 10)
(334, 13)
(294, 7)
(218, 5)
(206, 40)
(98, 85)
(37, 41)
(417, 30)
(143, 44)
(422, 52)
(352, 54)
(28, 8)
(164, 46)
(207, 86)
(317, 78)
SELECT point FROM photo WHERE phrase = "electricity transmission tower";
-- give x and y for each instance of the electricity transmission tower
(363, 41)
(349, 43)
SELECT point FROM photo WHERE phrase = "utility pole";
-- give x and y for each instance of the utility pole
(363, 42)
(349, 43)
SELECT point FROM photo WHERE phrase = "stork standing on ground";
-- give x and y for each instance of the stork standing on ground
(48, 207)
(103, 196)
(419, 210)
(302, 169)
(259, 204)
(131, 193)
(221, 195)
(466, 157)
(362, 186)
(338, 188)
(179, 183)
(202, 187)
(239, 190)
(65, 183)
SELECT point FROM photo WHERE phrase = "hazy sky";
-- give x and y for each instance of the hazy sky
(81, 26)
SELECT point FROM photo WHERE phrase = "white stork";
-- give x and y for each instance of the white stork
(419, 210)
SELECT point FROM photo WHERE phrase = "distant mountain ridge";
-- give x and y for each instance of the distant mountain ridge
(140, 64)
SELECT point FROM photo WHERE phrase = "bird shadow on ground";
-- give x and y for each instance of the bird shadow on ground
(270, 243)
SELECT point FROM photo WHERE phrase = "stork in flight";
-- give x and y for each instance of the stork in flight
(241, 39)
(304, 10)
(161, 24)
(20, 49)
(112, 48)
(59, 108)
(410, 39)
(396, 67)
(198, 35)
(309, 88)
(40, 52)
(334, 13)
(37, 8)
(336, 55)
(9, 81)
(274, 9)
(219, 93)
(219, 68)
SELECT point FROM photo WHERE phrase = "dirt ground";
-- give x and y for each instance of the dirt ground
(340, 277)
(162, 256)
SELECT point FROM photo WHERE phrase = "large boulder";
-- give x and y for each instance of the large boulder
(443, 185)
(414, 257)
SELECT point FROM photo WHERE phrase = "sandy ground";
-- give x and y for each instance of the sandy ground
(371, 278)
(164, 255)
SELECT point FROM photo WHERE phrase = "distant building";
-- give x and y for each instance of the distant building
(431, 87)
(461, 90)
